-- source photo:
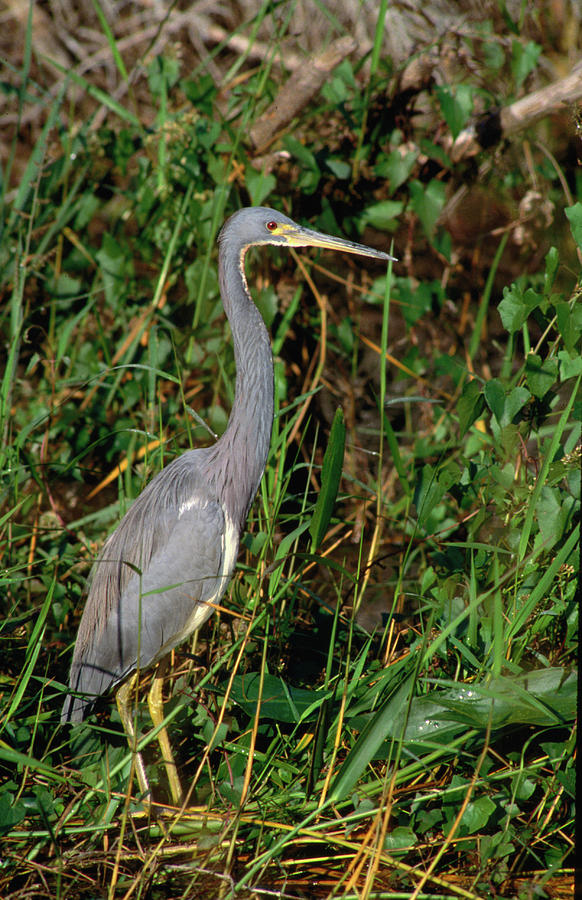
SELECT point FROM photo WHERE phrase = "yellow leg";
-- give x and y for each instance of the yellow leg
(123, 698)
(156, 705)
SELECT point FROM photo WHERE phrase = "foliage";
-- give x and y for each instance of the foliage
(428, 749)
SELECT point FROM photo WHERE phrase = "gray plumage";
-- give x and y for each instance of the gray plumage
(173, 553)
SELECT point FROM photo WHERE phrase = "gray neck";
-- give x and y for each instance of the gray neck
(237, 460)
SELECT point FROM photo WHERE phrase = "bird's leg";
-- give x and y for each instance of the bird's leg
(156, 705)
(123, 699)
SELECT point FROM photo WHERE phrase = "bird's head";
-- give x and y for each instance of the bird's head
(257, 225)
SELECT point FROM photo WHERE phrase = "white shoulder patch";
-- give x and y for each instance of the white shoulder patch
(192, 503)
(230, 543)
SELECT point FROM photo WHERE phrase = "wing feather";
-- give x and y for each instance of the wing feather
(152, 585)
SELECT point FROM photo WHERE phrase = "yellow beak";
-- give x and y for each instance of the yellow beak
(297, 236)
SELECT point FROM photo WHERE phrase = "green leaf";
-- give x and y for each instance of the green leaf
(470, 405)
(396, 167)
(415, 300)
(382, 215)
(427, 201)
(523, 787)
(111, 40)
(430, 489)
(574, 214)
(378, 727)
(552, 515)
(552, 263)
(11, 813)
(493, 54)
(456, 105)
(568, 326)
(544, 697)
(341, 85)
(516, 306)
(394, 449)
(400, 838)
(339, 167)
(163, 73)
(570, 367)
(201, 93)
(115, 269)
(280, 701)
(259, 185)
(524, 59)
(309, 175)
(331, 473)
(476, 815)
(514, 402)
(505, 406)
(540, 375)
(495, 397)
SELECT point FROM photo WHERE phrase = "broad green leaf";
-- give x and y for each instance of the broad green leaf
(427, 201)
(309, 174)
(524, 58)
(400, 838)
(331, 473)
(505, 406)
(428, 493)
(383, 215)
(515, 400)
(115, 269)
(523, 787)
(574, 214)
(495, 397)
(339, 167)
(11, 812)
(493, 54)
(431, 488)
(544, 698)
(470, 405)
(280, 701)
(567, 325)
(201, 93)
(396, 167)
(163, 73)
(476, 815)
(259, 185)
(415, 300)
(516, 306)
(570, 366)
(456, 105)
(552, 515)
(541, 375)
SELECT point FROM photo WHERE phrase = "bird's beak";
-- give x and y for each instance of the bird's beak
(297, 236)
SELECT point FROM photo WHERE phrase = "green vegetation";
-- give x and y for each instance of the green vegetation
(385, 704)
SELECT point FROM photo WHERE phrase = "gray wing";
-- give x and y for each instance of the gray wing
(170, 557)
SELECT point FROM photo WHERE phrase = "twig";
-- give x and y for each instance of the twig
(495, 126)
(296, 93)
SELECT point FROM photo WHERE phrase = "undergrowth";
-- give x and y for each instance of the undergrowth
(385, 703)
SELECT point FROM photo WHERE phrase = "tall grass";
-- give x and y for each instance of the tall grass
(385, 703)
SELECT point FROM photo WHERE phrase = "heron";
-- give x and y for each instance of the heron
(163, 570)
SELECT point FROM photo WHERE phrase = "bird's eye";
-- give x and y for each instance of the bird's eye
(271, 226)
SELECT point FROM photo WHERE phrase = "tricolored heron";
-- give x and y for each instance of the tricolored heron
(169, 561)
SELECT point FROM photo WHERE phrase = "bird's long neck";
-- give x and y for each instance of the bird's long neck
(238, 458)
